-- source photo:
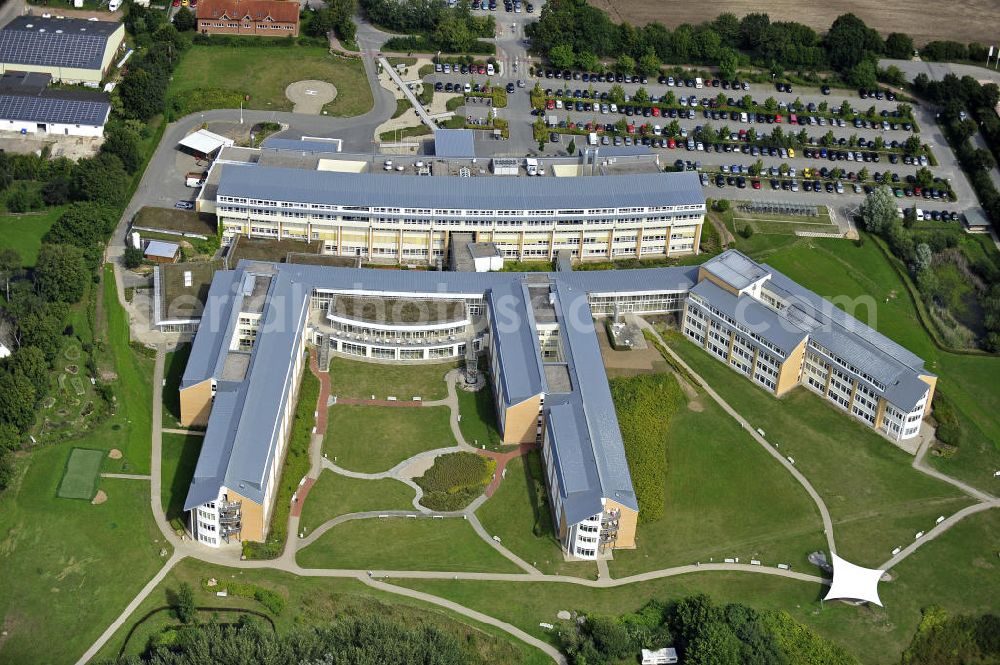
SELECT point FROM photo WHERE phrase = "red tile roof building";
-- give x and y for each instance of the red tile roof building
(269, 18)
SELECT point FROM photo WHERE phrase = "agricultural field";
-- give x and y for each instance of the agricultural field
(964, 18)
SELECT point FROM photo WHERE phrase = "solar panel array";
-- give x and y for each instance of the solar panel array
(66, 49)
(54, 110)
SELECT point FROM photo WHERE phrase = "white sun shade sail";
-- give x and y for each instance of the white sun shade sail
(852, 582)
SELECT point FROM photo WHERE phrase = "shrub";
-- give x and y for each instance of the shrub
(455, 480)
(645, 405)
(272, 601)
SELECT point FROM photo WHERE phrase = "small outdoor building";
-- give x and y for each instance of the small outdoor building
(159, 251)
(204, 144)
(851, 582)
(665, 656)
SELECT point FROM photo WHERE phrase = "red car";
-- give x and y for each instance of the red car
(671, 143)
(551, 104)
(756, 184)
(656, 111)
(482, 69)
(176, 3)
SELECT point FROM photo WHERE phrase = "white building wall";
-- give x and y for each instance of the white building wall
(51, 129)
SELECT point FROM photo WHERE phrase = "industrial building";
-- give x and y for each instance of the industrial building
(537, 331)
(29, 106)
(70, 50)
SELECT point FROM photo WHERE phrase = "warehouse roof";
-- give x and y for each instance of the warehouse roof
(68, 107)
(369, 189)
(55, 42)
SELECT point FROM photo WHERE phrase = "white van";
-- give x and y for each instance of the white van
(699, 84)
(490, 71)
(113, 5)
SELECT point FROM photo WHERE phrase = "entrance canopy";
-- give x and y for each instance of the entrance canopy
(852, 582)
(205, 142)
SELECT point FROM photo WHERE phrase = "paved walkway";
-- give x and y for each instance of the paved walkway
(186, 432)
(125, 476)
(414, 102)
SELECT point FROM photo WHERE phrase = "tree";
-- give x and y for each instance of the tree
(132, 258)
(922, 258)
(863, 75)
(452, 34)
(878, 210)
(17, 401)
(588, 61)
(10, 263)
(141, 93)
(649, 64)
(43, 329)
(562, 56)
(641, 96)
(60, 273)
(625, 64)
(771, 104)
(721, 205)
(30, 362)
(863, 175)
(616, 95)
(121, 142)
(728, 62)
(185, 20)
(571, 148)
(184, 606)
(101, 178)
(899, 45)
(849, 41)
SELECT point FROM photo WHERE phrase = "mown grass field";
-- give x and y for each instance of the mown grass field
(400, 543)
(726, 497)
(23, 232)
(315, 602)
(372, 439)
(957, 571)
(355, 378)
(173, 371)
(233, 72)
(69, 567)
(876, 499)
(861, 275)
(334, 495)
(178, 460)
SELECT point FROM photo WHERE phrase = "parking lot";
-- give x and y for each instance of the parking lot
(825, 150)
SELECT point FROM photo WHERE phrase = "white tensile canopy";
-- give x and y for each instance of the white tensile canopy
(205, 142)
(852, 582)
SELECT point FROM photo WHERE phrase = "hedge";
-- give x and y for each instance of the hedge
(271, 600)
(645, 405)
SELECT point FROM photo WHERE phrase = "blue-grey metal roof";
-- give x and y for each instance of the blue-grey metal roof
(217, 448)
(736, 269)
(52, 106)
(515, 342)
(312, 147)
(595, 407)
(166, 250)
(456, 143)
(447, 192)
(573, 459)
(752, 315)
(55, 42)
(215, 328)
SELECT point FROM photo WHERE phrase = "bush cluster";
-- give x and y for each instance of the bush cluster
(949, 426)
(645, 405)
(455, 480)
(271, 600)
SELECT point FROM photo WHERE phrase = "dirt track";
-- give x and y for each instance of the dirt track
(961, 20)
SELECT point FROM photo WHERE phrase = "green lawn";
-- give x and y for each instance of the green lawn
(334, 495)
(511, 514)
(132, 419)
(876, 499)
(173, 371)
(958, 571)
(315, 602)
(479, 418)
(839, 268)
(372, 439)
(725, 497)
(401, 543)
(179, 458)
(82, 470)
(24, 232)
(69, 567)
(355, 378)
(210, 74)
